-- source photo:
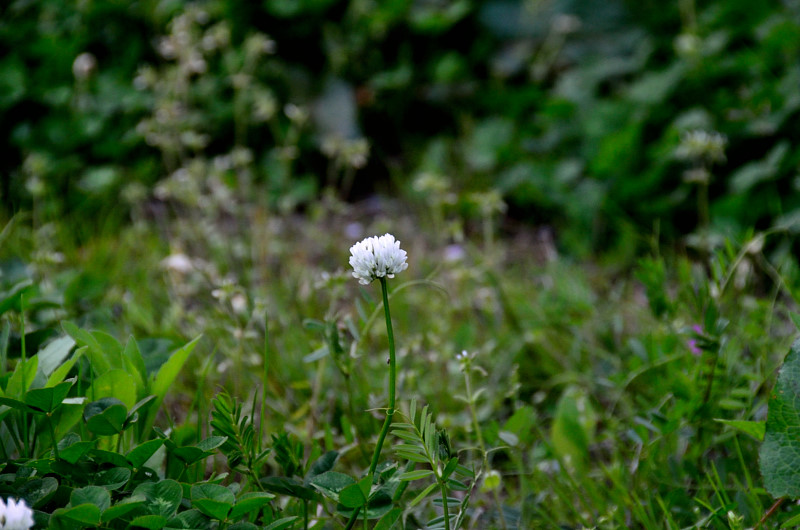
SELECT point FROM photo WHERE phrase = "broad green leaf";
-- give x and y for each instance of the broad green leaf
(123, 507)
(38, 491)
(83, 514)
(18, 405)
(573, 426)
(289, 486)
(142, 452)
(113, 479)
(63, 369)
(331, 483)
(213, 500)
(52, 355)
(48, 399)
(250, 502)
(166, 377)
(388, 521)
(188, 519)
(211, 443)
(132, 358)
(71, 448)
(243, 525)
(109, 457)
(754, 429)
(163, 497)
(115, 383)
(352, 496)
(780, 452)
(98, 360)
(323, 464)
(282, 524)
(23, 377)
(106, 416)
(152, 522)
(91, 495)
(189, 454)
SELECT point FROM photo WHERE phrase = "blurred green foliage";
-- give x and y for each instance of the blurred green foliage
(574, 112)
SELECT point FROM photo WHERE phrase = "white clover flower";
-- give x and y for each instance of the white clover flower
(15, 515)
(376, 257)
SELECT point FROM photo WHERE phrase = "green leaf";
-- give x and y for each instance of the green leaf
(91, 495)
(388, 521)
(109, 457)
(323, 464)
(113, 479)
(416, 475)
(142, 452)
(18, 405)
(780, 452)
(83, 514)
(53, 355)
(189, 519)
(94, 351)
(123, 507)
(573, 426)
(132, 358)
(282, 524)
(63, 369)
(165, 378)
(331, 483)
(250, 502)
(213, 500)
(23, 377)
(352, 496)
(424, 493)
(754, 429)
(289, 486)
(105, 416)
(152, 522)
(71, 448)
(115, 383)
(48, 399)
(38, 491)
(243, 525)
(163, 497)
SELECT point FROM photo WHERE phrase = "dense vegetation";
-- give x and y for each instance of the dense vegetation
(600, 206)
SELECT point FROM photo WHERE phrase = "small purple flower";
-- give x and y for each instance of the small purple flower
(692, 343)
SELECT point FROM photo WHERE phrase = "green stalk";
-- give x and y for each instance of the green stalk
(392, 379)
(392, 389)
(264, 382)
(52, 434)
(24, 362)
(443, 486)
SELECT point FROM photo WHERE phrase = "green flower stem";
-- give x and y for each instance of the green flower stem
(392, 390)
(392, 379)
(443, 487)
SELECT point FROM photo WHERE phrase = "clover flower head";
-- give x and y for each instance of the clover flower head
(377, 257)
(15, 515)
(699, 145)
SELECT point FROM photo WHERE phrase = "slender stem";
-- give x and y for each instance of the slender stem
(24, 363)
(52, 434)
(264, 382)
(392, 389)
(392, 379)
(443, 486)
